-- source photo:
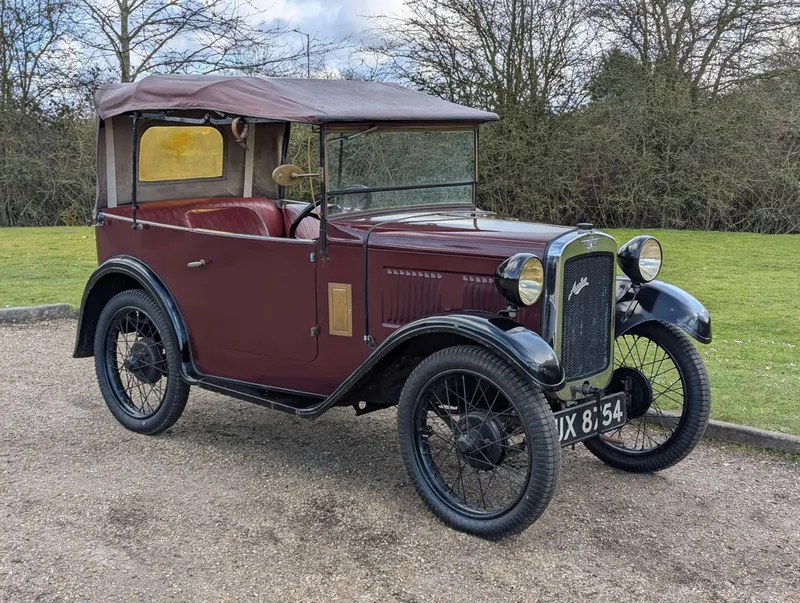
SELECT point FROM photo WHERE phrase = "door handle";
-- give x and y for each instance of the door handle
(197, 264)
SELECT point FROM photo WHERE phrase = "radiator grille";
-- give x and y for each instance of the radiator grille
(586, 321)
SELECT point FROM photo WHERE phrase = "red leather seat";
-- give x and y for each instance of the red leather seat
(238, 220)
(307, 229)
(172, 212)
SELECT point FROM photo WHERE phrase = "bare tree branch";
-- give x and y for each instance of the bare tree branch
(497, 54)
(713, 42)
(139, 37)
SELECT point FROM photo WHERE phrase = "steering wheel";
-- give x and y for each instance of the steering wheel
(367, 196)
(308, 211)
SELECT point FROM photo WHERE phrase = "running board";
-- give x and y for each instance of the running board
(306, 406)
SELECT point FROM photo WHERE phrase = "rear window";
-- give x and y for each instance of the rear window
(180, 153)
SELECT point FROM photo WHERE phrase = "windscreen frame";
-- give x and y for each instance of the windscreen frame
(329, 172)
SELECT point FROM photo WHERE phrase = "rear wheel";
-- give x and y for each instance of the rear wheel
(669, 404)
(136, 361)
(478, 441)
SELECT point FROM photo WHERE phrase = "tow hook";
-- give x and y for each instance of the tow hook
(587, 390)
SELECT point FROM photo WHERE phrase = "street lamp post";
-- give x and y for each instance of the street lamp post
(308, 50)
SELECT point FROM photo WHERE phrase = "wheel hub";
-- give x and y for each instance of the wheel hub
(143, 359)
(641, 392)
(482, 440)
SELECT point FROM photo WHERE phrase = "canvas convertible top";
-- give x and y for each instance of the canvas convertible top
(283, 99)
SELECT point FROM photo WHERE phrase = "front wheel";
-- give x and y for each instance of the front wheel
(478, 441)
(669, 403)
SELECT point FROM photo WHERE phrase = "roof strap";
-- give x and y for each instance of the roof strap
(240, 135)
(135, 174)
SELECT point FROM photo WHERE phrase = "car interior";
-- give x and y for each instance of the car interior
(254, 216)
(198, 175)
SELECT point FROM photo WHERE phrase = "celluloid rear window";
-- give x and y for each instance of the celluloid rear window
(180, 153)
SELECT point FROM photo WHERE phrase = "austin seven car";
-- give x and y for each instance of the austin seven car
(369, 277)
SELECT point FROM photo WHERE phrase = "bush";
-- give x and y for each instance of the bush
(47, 168)
(651, 151)
(648, 150)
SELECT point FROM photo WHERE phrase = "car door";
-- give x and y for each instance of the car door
(250, 305)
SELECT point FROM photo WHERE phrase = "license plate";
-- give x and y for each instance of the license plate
(589, 419)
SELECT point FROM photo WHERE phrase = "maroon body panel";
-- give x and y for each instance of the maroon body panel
(435, 264)
(464, 236)
(251, 309)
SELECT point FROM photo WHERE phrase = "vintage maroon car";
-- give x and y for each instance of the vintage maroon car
(500, 341)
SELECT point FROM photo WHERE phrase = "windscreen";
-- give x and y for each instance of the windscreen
(375, 168)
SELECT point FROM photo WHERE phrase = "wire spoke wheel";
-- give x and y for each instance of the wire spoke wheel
(472, 441)
(669, 400)
(658, 393)
(136, 362)
(479, 442)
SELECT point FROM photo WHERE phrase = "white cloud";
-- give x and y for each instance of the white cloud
(327, 19)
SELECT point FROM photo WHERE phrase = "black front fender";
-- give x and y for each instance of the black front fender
(114, 276)
(517, 345)
(520, 347)
(658, 300)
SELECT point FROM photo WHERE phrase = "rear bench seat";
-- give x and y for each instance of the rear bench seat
(239, 220)
(241, 215)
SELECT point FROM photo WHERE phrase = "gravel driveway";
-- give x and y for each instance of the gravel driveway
(238, 503)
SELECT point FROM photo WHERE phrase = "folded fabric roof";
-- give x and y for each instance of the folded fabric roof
(283, 99)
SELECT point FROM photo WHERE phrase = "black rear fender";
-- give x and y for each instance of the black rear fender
(663, 302)
(113, 276)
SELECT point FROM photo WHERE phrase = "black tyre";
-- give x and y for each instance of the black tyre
(478, 441)
(670, 400)
(136, 358)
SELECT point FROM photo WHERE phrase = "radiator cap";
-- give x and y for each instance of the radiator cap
(585, 225)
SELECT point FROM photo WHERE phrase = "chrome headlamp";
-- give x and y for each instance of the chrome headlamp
(520, 279)
(640, 259)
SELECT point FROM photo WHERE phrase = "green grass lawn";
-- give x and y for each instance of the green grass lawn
(45, 265)
(750, 284)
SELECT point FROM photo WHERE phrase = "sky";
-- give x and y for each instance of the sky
(322, 20)
(327, 19)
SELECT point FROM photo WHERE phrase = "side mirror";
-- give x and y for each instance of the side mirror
(289, 175)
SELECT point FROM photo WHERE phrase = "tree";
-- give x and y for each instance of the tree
(717, 44)
(33, 51)
(616, 73)
(497, 54)
(138, 37)
(46, 151)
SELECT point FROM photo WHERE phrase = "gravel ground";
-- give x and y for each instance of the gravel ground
(238, 503)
